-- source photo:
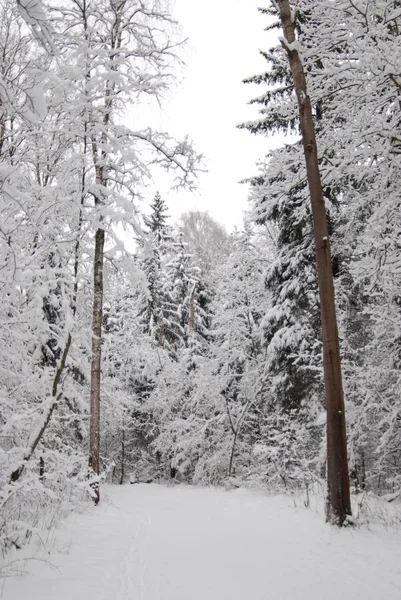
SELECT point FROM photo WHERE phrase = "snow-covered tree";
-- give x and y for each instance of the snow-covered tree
(207, 240)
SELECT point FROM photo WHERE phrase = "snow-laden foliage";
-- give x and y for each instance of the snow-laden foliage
(211, 351)
(68, 167)
(350, 52)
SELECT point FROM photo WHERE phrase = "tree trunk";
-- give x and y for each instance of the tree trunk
(99, 154)
(97, 316)
(230, 464)
(161, 328)
(192, 309)
(122, 457)
(338, 500)
(46, 416)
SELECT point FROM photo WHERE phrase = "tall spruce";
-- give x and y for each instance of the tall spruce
(279, 199)
(155, 251)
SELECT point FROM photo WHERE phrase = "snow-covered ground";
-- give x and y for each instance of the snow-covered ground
(149, 542)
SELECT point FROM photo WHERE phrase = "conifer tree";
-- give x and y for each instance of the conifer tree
(279, 197)
(156, 222)
(155, 252)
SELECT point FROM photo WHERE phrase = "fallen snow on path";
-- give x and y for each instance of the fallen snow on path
(149, 542)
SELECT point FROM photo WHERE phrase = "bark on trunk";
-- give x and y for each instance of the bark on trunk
(122, 457)
(192, 309)
(99, 159)
(161, 329)
(338, 501)
(97, 316)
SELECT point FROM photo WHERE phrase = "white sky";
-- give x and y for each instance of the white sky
(224, 38)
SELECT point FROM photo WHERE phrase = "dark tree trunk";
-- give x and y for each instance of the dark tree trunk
(161, 328)
(192, 309)
(338, 504)
(122, 457)
(41, 467)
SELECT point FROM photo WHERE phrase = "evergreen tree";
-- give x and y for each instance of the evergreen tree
(155, 251)
(180, 280)
(156, 223)
(279, 196)
(235, 362)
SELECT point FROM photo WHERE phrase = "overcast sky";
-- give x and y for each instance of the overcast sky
(224, 38)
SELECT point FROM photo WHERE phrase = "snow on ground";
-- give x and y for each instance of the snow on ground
(149, 542)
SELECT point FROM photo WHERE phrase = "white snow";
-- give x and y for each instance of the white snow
(31, 10)
(290, 46)
(152, 542)
(37, 101)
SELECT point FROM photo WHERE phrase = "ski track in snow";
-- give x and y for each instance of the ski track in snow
(149, 542)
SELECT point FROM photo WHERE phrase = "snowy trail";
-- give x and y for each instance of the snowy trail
(148, 542)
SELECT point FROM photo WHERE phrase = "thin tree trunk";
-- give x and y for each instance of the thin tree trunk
(230, 465)
(41, 467)
(97, 316)
(161, 328)
(97, 308)
(236, 427)
(192, 309)
(338, 501)
(122, 457)
(99, 159)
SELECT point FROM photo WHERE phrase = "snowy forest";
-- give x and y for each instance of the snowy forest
(136, 348)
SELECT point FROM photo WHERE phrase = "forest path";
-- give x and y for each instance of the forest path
(149, 542)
